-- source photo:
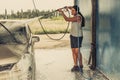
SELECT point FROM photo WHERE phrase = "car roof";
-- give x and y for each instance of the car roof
(13, 21)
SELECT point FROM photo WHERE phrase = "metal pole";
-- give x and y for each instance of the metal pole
(92, 57)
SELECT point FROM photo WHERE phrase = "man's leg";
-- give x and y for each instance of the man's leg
(74, 56)
(78, 53)
(79, 58)
(75, 59)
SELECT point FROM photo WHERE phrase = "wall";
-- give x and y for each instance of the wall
(107, 35)
(108, 38)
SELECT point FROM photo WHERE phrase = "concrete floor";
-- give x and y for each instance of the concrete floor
(56, 64)
(54, 59)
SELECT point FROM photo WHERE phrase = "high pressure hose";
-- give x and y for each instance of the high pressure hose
(39, 19)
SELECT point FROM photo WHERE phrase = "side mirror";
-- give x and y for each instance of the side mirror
(35, 39)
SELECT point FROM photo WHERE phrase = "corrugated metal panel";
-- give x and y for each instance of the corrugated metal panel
(108, 38)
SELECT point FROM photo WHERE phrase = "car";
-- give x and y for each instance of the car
(17, 61)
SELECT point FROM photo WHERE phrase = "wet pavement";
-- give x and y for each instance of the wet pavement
(54, 60)
(56, 64)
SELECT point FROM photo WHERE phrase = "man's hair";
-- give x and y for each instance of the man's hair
(76, 8)
(78, 11)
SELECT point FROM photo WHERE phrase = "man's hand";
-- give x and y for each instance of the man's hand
(65, 7)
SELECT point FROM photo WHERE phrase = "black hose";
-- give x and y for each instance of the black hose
(50, 36)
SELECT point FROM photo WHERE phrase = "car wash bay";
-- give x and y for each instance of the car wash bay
(55, 62)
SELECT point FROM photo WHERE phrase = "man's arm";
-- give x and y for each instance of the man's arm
(72, 19)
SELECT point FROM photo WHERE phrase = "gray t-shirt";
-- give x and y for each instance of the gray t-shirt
(76, 29)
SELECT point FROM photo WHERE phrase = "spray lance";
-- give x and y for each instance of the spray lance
(64, 8)
(48, 14)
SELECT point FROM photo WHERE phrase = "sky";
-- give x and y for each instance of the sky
(28, 4)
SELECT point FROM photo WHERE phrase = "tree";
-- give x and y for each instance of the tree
(21, 13)
(5, 13)
(12, 14)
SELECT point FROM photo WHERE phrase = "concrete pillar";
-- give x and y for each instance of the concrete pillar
(76, 2)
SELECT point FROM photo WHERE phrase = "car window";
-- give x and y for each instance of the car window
(20, 35)
(17, 30)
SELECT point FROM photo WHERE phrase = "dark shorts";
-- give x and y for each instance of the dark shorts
(75, 41)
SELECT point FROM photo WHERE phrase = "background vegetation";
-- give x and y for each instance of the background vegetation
(52, 22)
(26, 14)
(53, 25)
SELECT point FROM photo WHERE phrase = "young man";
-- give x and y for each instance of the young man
(76, 36)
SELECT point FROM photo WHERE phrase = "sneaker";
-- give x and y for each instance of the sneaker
(75, 69)
(81, 69)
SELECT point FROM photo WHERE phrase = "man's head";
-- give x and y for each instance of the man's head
(75, 10)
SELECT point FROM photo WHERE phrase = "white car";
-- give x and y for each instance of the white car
(16, 51)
